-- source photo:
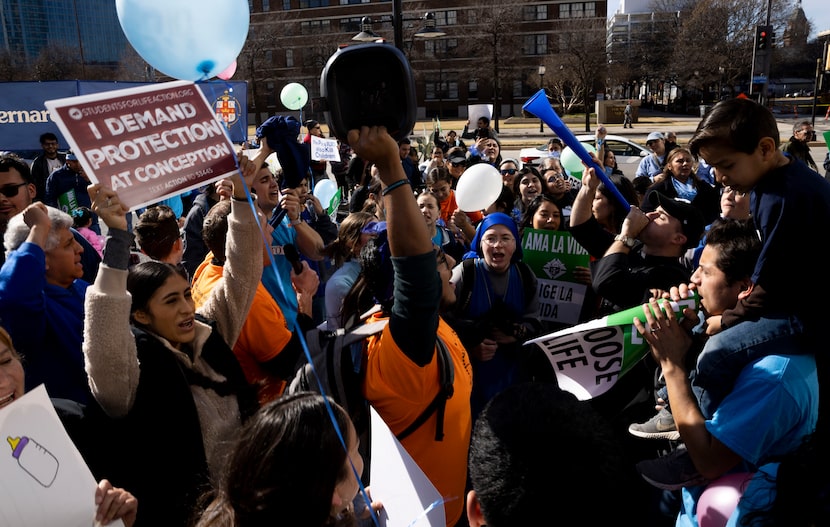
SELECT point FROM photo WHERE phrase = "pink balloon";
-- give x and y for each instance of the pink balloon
(228, 72)
(719, 500)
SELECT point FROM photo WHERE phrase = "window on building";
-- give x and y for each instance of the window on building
(286, 5)
(270, 95)
(518, 85)
(310, 27)
(350, 25)
(266, 6)
(535, 12)
(447, 89)
(578, 10)
(472, 89)
(289, 58)
(440, 47)
(446, 18)
(535, 44)
(590, 9)
(306, 4)
(269, 57)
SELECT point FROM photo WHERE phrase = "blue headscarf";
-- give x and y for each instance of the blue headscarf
(495, 218)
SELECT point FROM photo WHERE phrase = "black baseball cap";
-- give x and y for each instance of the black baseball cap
(690, 218)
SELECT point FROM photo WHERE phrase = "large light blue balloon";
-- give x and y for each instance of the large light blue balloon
(186, 39)
(324, 190)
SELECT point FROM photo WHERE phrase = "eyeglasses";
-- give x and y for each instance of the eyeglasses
(11, 191)
(555, 174)
(730, 190)
(492, 241)
(508, 171)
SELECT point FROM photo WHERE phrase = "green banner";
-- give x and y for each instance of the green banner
(67, 201)
(553, 256)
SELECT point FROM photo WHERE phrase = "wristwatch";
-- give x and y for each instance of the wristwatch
(628, 242)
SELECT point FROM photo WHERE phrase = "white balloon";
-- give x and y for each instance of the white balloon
(478, 187)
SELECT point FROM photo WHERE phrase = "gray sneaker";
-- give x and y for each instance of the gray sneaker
(661, 426)
(672, 471)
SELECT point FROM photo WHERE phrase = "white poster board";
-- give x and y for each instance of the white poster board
(45, 481)
(474, 111)
(408, 497)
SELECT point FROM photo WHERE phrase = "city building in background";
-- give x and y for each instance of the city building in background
(86, 32)
(490, 52)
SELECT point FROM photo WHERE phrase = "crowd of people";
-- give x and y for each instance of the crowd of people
(191, 324)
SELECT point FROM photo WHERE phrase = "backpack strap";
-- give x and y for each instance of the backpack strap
(468, 275)
(465, 294)
(526, 274)
(439, 403)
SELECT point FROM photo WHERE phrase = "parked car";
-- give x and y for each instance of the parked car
(628, 152)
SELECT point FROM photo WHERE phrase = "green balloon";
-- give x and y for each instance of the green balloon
(294, 96)
(571, 162)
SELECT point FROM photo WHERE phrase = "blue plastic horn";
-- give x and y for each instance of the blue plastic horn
(539, 106)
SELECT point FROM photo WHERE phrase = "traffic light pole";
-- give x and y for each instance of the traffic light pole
(762, 56)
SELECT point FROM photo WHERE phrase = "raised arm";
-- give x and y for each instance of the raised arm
(581, 210)
(231, 300)
(408, 234)
(414, 317)
(109, 346)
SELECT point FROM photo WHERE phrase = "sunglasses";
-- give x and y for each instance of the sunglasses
(457, 164)
(508, 171)
(11, 191)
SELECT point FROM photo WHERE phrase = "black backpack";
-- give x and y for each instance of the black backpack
(331, 354)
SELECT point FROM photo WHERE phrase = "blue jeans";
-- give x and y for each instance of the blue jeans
(728, 352)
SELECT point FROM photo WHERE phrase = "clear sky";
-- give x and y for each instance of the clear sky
(816, 10)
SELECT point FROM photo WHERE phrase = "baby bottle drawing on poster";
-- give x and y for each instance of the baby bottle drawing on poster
(35, 459)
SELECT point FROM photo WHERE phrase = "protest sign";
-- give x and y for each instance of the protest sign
(553, 256)
(324, 149)
(408, 496)
(146, 143)
(45, 480)
(476, 111)
(589, 358)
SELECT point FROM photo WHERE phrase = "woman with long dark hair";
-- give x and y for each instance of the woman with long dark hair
(163, 370)
(287, 466)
